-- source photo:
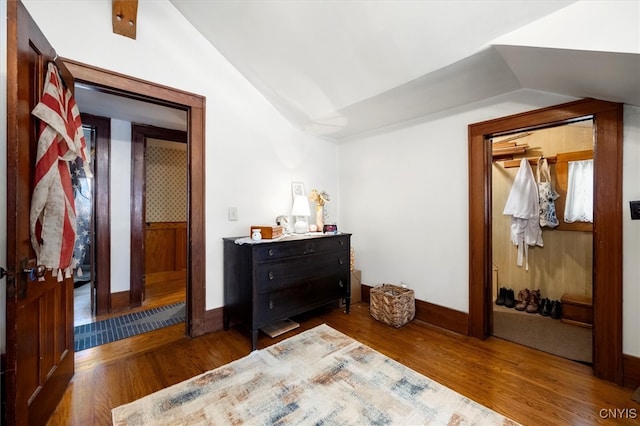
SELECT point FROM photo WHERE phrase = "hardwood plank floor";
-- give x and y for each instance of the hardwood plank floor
(160, 290)
(531, 387)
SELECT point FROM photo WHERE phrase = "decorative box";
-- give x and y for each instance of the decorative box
(392, 304)
(268, 232)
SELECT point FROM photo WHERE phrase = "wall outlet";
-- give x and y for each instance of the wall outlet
(635, 209)
(233, 213)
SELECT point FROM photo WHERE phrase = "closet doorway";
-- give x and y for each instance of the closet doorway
(607, 224)
(531, 285)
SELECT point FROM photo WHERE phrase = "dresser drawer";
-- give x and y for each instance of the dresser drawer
(278, 250)
(292, 271)
(270, 307)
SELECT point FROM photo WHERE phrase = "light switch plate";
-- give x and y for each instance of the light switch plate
(635, 209)
(233, 213)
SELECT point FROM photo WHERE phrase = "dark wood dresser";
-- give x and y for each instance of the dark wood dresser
(266, 282)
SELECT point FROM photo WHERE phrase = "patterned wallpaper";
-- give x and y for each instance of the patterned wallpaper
(166, 184)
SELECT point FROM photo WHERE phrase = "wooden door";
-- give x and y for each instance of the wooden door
(40, 357)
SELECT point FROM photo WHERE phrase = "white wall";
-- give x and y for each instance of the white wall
(404, 194)
(252, 153)
(120, 205)
(631, 232)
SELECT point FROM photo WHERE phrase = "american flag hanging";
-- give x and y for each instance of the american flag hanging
(61, 140)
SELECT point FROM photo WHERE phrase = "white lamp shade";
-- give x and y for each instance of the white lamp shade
(300, 211)
(300, 206)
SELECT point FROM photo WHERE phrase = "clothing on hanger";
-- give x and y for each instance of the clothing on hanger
(524, 208)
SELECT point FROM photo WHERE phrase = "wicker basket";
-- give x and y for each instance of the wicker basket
(392, 304)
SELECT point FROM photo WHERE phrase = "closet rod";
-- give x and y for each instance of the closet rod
(533, 161)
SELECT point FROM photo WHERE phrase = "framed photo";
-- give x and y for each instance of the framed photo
(297, 188)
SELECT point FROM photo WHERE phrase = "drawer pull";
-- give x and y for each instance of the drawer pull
(270, 252)
(340, 283)
(270, 304)
(341, 242)
(270, 275)
(341, 261)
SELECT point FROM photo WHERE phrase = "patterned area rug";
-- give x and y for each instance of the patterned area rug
(317, 377)
(100, 332)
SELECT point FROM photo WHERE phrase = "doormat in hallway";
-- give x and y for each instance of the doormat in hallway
(100, 332)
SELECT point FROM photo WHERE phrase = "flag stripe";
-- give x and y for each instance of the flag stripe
(60, 140)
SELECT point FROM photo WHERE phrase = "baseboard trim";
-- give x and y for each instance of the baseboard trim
(631, 371)
(120, 301)
(213, 320)
(443, 317)
(433, 314)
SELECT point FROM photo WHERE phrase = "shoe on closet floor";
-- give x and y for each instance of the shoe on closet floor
(501, 296)
(523, 300)
(545, 307)
(509, 298)
(533, 303)
(556, 309)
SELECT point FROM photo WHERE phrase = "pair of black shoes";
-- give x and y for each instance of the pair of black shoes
(551, 308)
(506, 298)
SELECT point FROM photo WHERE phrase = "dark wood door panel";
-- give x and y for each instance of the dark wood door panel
(39, 356)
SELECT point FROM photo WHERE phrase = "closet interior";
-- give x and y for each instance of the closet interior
(547, 284)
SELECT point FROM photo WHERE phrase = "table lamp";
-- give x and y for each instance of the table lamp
(300, 211)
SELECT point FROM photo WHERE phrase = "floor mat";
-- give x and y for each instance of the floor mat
(100, 332)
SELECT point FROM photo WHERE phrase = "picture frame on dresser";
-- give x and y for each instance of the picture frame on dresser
(297, 188)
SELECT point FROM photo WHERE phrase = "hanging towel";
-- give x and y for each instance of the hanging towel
(523, 206)
(53, 215)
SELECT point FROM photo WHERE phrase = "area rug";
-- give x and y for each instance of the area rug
(318, 377)
(100, 332)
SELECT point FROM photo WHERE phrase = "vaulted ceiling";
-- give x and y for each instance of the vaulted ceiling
(344, 68)
(341, 68)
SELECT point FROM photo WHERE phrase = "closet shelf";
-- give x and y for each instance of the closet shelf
(533, 161)
(509, 151)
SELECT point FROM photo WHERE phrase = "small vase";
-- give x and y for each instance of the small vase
(319, 216)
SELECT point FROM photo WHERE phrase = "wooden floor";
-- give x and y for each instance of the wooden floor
(531, 387)
(159, 291)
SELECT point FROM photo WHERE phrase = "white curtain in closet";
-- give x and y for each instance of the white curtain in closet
(579, 203)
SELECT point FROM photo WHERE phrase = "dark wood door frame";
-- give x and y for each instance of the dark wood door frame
(607, 227)
(194, 105)
(139, 135)
(101, 212)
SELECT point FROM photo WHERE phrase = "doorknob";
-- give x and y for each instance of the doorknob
(35, 273)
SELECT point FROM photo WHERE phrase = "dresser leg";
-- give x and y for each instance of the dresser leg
(348, 305)
(225, 319)
(254, 340)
